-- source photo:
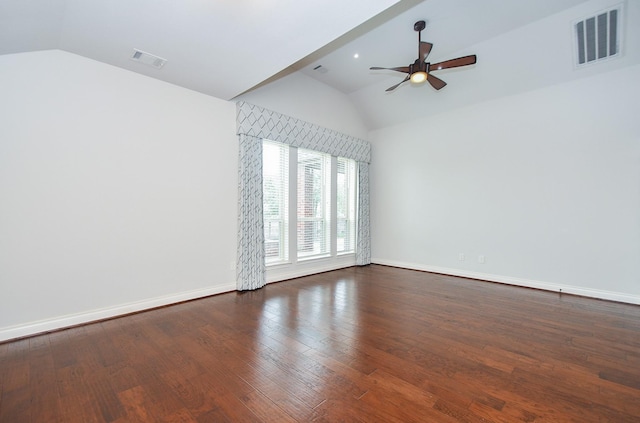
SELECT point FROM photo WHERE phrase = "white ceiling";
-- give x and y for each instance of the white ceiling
(217, 47)
(452, 26)
(226, 47)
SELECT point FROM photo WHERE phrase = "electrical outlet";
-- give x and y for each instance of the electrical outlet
(481, 259)
(461, 256)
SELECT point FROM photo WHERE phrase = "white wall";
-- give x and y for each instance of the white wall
(307, 99)
(543, 182)
(117, 192)
(545, 185)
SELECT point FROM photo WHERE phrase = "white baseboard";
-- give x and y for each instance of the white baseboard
(527, 283)
(281, 273)
(33, 328)
(61, 322)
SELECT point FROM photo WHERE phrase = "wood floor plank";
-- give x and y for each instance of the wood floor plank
(363, 344)
(135, 403)
(337, 410)
(42, 378)
(285, 397)
(265, 409)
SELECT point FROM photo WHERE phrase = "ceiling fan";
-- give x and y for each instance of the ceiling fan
(420, 70)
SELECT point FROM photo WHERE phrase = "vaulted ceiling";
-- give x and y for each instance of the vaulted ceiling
(225, 48)
(217, 47)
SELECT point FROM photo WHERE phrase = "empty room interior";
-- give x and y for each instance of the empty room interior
(363, 211)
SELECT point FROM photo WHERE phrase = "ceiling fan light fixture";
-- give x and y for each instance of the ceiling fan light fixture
(419, 71)
(418, 77)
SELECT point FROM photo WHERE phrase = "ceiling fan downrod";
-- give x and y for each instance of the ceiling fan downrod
(418, 27)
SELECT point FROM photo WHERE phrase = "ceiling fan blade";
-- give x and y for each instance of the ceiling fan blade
(454, 63)
(404, 69)
(398, 84)
(435, 82)
(425, 49)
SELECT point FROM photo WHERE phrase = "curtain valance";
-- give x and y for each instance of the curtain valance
(258, 122)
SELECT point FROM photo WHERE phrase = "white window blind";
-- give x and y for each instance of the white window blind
(313, 203)
(346, 205)
(275, 185)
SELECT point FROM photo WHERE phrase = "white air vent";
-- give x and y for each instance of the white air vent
(598, 37)
(148, 59)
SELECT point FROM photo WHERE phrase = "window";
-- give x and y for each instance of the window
(309, 204)
(314, 204)
(275, 188)
(346, 205)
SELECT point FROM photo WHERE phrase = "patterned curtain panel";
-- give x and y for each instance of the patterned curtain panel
(250, 268)
(363, 246)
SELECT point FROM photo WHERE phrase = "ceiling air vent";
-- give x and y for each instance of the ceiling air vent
(148, 59)
(321, 69)
(598, 37)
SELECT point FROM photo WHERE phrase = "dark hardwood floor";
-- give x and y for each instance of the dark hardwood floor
(372, 344)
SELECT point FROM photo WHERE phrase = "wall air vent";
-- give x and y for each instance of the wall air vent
(148, 59)
(598, 37)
